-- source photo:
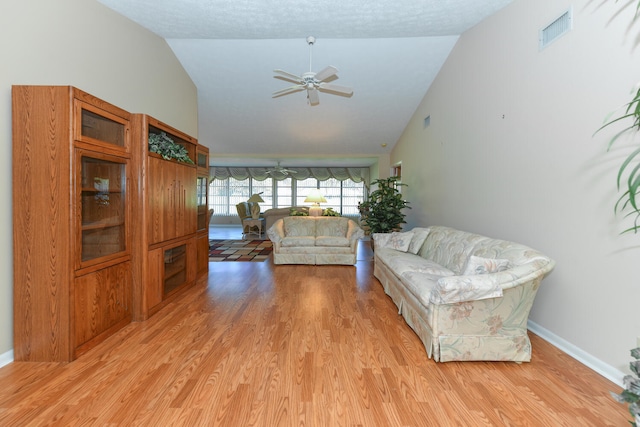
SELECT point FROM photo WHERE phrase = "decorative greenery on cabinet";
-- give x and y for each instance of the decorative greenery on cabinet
(163, 144)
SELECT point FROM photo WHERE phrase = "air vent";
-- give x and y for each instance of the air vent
(552, 32)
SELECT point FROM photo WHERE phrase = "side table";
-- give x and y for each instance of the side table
(250, 223)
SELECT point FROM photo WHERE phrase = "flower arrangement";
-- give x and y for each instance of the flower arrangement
(330, 212)
(305, 212)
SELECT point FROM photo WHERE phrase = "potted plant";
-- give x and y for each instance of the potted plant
(629, 172)
(628, 179)
(382, 211)
(631, 394)
(163, 144)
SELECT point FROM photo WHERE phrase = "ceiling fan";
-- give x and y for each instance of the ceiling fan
(312, 82)
(279, 170)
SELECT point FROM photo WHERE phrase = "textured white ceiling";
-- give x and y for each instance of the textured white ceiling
(388, 51)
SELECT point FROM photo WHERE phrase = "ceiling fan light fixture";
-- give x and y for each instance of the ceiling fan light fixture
(311, 81)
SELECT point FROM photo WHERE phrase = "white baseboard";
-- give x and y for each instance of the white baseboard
(6, 358)
(607, 371)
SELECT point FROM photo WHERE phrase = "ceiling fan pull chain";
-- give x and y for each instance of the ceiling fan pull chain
(310, 41)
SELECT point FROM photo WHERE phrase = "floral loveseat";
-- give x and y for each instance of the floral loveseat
(315, 240)
(466, 296)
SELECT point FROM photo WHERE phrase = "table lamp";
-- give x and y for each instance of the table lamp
(316, 198)
(255, 209)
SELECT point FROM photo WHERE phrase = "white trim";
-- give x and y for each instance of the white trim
(6, 358)
(607, 371)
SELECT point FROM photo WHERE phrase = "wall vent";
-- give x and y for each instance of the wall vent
(552, 32)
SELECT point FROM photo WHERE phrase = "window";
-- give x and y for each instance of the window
(342, 196)
(266, 188)
(352, 194)
(284, 192)
(225, 194)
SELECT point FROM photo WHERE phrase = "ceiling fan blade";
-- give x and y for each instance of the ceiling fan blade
(287, 91)
(340, 90)
(287, 79)
(325, 73)
(312, 94)
(291, 76)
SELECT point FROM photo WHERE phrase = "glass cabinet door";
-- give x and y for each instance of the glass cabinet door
(201, 192)
(100, 127)
(102, 206)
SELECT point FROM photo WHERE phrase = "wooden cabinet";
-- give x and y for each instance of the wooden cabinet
(172, 199)
(104, 231)
(165, 240)
(71, 209)
(102, 302)
(202, 193)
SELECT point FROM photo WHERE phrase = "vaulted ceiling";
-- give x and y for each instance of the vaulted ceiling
(388, 51)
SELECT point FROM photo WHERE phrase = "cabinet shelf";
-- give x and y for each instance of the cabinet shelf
(94, 191)
(100, 225)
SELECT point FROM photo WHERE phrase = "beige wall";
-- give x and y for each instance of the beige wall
(510, 153)
(83, 44)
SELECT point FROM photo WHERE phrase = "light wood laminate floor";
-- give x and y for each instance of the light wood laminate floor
(255, 344)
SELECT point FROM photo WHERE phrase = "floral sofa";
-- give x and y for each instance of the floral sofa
(315, 240)
(466, 296)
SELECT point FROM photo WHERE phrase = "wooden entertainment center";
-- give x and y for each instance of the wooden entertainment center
(104, 231)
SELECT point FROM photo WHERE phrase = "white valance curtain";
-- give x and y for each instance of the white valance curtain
(356, 174)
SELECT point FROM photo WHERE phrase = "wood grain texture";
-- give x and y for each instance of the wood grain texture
(255, 344)
(50, 224)
(41, 199)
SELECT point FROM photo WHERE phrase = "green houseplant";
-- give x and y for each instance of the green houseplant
(382, 211)
(631, 394)
(163, 144)
(628, 179)
(629, 171)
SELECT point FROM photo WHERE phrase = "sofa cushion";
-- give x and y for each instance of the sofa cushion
(332, 241)
(401, 262)
(296, 241)
(299, 226)
(331, 226)
(480, 265)
(419, 236)
(396, 240)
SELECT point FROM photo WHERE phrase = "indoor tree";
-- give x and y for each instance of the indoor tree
(628, 181)
(382, 211)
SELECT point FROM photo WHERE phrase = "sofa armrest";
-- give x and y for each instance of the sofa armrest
(454, 289)
(354, 233)
(276, 233)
